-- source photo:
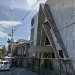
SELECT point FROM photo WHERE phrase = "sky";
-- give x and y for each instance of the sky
(11, 13)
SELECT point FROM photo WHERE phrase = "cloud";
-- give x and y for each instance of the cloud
(3, 34)
(9, 23)
(15, 40)
(22, 4)
(28, 38)
(31, 2)
(1, 29)
(6, 24)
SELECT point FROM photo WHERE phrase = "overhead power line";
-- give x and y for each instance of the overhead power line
(28, 12)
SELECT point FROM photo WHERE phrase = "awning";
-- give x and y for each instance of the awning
(41, 49)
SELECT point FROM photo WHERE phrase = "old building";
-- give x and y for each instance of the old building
(20, 53)
(21, 47)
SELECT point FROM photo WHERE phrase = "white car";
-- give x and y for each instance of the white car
(4, 65)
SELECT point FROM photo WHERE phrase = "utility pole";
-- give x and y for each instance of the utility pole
(11, 45)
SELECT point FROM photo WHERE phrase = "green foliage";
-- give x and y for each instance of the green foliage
(2, 50)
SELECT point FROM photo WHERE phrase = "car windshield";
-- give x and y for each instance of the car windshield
(6, 62)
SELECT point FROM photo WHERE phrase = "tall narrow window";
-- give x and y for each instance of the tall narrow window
(53, 55)
(32, 21)
(47, 41)
(61, 54)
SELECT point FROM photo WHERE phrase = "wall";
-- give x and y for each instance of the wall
(63, 12)
(34, 30)
(33, 37)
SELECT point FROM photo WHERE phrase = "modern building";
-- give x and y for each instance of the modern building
(34, 26)
(39, 43)
(55, 28)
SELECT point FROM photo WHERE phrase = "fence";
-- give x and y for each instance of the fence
(60, 66)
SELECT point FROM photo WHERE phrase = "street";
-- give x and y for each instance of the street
(18, 71)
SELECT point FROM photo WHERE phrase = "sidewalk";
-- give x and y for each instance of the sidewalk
(27, 72)
(22, 71)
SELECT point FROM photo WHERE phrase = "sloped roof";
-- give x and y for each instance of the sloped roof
(23, 41)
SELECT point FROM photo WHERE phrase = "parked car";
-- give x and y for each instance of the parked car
(4, 65)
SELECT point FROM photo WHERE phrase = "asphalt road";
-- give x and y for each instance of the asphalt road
(18, 71)
(5, 73)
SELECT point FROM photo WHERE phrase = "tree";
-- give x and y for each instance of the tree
(2, 51)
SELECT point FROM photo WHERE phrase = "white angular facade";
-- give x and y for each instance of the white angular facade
(63, 12)
(34, 25)
(33, 37)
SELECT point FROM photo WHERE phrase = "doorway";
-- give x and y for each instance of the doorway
(48, 63)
